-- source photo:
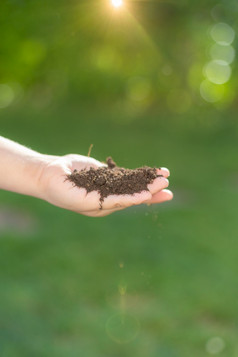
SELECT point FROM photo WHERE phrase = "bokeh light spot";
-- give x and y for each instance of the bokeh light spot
(223, 34)
(223, 53)
(7, 95)
(217, 71)
(215, 345)
(122, 328)
(211, 92)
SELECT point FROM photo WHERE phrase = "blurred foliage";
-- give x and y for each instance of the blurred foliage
(146, 55)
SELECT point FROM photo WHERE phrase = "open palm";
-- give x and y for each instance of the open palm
(61, 192)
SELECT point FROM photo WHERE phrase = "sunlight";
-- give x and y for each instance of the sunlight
(117, 3)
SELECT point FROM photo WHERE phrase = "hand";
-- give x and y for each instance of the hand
(60, 192)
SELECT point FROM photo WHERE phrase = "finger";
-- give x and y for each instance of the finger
(161, 196)
(158, 184)
(123, 201)
(163, 171)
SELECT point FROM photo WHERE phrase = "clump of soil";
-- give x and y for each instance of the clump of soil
(113, 180)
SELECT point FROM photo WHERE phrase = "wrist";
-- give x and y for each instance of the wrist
(39, 166)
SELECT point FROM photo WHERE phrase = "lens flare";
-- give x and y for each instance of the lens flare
(116, 3)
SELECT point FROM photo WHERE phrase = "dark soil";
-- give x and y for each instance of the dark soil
(114, 180)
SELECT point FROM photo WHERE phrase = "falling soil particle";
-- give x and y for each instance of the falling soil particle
(113, 180)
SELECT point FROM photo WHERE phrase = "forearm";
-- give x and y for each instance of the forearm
(20, 168)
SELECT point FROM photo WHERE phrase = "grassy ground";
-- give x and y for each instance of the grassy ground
(148, 281)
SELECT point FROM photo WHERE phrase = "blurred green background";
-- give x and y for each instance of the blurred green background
(149, 83)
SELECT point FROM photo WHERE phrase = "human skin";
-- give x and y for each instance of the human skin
(28, 172)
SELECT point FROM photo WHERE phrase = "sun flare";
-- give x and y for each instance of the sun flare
(116, 3)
